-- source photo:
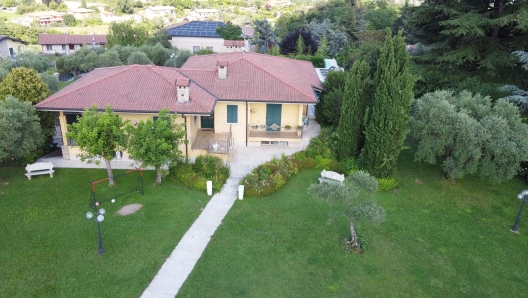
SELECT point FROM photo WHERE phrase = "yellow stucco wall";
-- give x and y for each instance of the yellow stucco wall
(256, 115)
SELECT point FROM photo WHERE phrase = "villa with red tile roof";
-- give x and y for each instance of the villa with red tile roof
(224, 100)
(68, 43)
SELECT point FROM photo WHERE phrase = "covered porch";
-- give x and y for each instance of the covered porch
(274, 131)
(211, 141)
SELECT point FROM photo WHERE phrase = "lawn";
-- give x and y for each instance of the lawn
(49, 248)
(440, 239)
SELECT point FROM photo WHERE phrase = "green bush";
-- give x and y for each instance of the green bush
(386, 184)
(195, 175)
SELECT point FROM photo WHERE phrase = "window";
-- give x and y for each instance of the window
(70, 119)
(196, 49)
(64, 47)
(232, 114)
(210, 48)
(49, 47)
(11, 52)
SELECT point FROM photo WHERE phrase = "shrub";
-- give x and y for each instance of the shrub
(386, 184)
(195, 175)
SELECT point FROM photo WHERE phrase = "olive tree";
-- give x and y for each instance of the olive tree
(469, 134)
(356, 198)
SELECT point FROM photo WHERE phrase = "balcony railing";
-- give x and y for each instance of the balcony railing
(274, 131)
(212, 142)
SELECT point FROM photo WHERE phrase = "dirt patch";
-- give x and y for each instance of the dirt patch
(129, 209)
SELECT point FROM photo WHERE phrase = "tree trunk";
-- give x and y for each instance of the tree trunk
(110, 174)
(353, 243)
(502, 5)
(158, 175)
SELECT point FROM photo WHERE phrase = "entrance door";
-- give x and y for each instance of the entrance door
(273, 116)
(207, 122)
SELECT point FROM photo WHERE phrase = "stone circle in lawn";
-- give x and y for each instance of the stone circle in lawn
(129, 209)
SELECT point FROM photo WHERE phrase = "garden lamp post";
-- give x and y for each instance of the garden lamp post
(523, 196)
(99, 217)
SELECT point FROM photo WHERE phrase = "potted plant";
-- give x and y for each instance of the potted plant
(299, 127)
(288, 127)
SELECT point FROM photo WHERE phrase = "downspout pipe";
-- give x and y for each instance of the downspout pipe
(186, 139)
(247, 124)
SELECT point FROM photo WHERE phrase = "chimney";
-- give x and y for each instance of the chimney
(222, 69)
(182, 89)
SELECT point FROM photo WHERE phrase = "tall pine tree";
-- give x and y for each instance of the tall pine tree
(386, 128)
(350, 128)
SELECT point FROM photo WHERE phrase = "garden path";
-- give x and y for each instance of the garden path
(180, 263)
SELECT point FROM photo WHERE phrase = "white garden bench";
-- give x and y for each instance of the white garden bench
(331, 176)
(39, 168)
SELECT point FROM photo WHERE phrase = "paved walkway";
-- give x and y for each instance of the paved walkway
(180, 263)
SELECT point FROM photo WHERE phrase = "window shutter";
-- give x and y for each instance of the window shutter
(232, 114)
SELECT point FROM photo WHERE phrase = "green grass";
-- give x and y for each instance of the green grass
(61, 85)
(49, 248)
(439, 240)
(9, 15)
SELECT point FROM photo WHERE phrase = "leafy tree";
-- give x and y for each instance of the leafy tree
(50, 81)
(288, 45)
(356, 198)
(157, 54)
(99, 135)
(84, 59)
(34, 61)
(155, 143)
(230, 32)
(179, 59)
(381, 15)
(52, 5)
(69, 20)
(162, 37)
(125, 6)
(9, 3)
(21, 32)
(24, 84)
(83, 4)
(20, 131)
(328, 109)
(108, 59)
(470, 133)
(138, 58)
(124, 52)
(205, 51)
(335, 36)
(350, 130)
(386, 129)
(126, 35)
(339, 12)
(265, 36)
(62, 7)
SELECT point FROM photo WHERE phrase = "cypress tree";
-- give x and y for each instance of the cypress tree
(386, 129)
(350, 130)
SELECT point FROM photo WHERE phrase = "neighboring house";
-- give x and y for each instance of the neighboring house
(231, 46)
(330, 65)
(81, 13)
(159, 11)
(67, 43)
(224, 100)
(196, 35)
(44, 17)
(205, 13)
(10, 46)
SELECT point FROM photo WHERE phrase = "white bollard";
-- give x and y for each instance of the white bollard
(209, 188)
(241, 192)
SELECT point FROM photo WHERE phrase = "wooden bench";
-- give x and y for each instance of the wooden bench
(39, 168)
(331, 176)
